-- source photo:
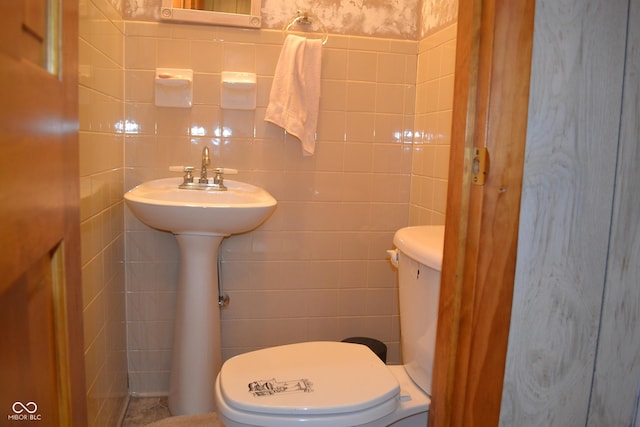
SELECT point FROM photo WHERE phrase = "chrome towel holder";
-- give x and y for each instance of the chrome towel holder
(306, 18)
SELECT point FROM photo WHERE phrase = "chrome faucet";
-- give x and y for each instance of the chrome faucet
(203, 183)
(205, 162)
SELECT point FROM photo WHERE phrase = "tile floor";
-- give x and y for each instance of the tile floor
(145, 410)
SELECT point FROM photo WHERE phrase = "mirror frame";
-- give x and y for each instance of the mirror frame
(253, 20)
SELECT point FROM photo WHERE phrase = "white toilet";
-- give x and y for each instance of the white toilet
(340, 384)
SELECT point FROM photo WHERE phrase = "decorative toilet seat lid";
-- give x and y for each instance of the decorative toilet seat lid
(311, 378)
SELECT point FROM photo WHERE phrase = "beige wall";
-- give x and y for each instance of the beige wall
(432, 130)
(404, 19)
(102, 227)
(317, 268)
(436, 14)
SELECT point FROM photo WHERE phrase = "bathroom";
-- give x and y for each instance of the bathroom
(573, 333)
(396, 177)
(318, 268)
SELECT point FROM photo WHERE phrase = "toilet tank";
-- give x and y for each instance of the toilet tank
(419, 262)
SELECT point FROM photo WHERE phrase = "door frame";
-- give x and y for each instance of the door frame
(491, 97)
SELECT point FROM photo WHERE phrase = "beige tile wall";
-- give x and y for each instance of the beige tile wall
(434, 100)
(102, 215)
(317, 269)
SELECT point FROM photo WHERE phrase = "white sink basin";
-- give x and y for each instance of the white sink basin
(161, 204)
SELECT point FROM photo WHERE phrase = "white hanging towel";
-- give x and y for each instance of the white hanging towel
(295, 93)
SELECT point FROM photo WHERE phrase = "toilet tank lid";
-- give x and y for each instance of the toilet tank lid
(423, 243)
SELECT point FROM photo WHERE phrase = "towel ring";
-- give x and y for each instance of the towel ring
(306, 18)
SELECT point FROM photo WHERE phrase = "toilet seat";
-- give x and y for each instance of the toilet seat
(322, 383)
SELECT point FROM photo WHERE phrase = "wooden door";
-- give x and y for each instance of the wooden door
(491, 93)
(41, 356)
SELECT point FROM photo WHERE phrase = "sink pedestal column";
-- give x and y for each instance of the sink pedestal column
(197, 355)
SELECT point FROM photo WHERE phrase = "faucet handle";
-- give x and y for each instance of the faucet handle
(228, 171)
(178, 168)
(188, 172)
(218, 179)
(181, 168)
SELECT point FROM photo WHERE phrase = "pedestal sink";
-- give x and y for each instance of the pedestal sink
(200, 219)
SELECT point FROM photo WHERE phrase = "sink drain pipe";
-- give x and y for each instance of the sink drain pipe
(223, 299)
